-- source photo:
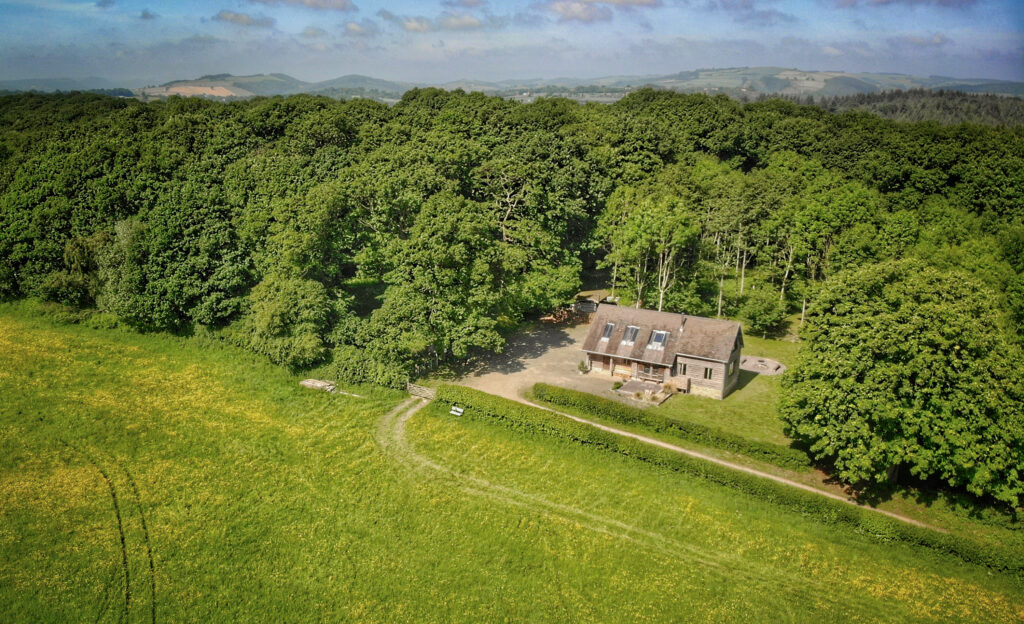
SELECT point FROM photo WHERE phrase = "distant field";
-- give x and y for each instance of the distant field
(150, 478)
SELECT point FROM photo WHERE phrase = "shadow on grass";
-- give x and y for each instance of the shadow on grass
(745, 378)
(929, 493)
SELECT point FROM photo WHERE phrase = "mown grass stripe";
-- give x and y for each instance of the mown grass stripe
(790, 458)
(534, 420)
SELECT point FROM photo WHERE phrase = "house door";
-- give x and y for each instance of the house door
(651, 373)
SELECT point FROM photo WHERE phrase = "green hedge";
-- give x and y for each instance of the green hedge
(355, 365)
(535, 421)
(692, 432)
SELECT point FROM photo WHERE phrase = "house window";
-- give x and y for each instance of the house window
(630, 336)
(680, 369)
(658, 340)
(732, 367)
(652, 372)
(709, 373)
(608, 327)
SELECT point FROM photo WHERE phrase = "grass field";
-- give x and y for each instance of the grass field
(750, 410)
(151, 478)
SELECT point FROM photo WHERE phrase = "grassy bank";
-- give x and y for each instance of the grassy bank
(241, 497)
(652, 422)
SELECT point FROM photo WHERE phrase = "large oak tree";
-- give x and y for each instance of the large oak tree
(906, 367)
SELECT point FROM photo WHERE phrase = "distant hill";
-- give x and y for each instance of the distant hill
(781, 81)
(356, 81)
(226, 86)
(57, 84)
(740, 82)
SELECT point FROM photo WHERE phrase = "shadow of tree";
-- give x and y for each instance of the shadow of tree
(527, 344)
(928, 493)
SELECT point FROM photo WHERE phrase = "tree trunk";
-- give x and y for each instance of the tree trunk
(785, 276)
(661, 280)
(721, 285)
(639, 285)
(743, 271)
(508, 213)
(666, 274)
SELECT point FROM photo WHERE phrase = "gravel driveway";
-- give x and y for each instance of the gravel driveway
(546, 353)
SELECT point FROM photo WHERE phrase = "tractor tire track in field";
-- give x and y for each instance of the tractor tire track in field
(391, 437)
(120, 531)
(123, 538)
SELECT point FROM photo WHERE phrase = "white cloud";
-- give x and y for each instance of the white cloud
(320, 5)
(448, 20)
(750, 12)
(624, 3)
(458, 21)
(589, 11)
(243, 19)
(576, 10)
(875, 3)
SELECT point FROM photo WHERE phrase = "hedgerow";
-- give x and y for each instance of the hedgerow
(699, 434)
(354, 365)
(536, 421)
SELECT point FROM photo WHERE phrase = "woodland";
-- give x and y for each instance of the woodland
(949, 107)
(381, 242)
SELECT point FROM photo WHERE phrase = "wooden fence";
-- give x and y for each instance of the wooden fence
(421, 391)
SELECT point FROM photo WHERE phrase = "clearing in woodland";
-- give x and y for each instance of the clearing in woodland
(149, 478)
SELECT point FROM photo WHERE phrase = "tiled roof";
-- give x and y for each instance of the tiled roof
(697, 336)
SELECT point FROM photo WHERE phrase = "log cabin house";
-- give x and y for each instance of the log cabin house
(692, 354)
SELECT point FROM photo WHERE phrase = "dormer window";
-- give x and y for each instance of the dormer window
(607, 333)
(658, 340)
(630, 336)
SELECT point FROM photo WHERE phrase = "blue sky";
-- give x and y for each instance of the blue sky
(149, 42)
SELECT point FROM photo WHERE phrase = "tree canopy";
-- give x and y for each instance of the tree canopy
(907, 367)
(385, 241)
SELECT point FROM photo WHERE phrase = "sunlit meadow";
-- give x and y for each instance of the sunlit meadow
(152, 478)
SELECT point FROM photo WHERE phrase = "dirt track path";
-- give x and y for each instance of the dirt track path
(392, 439)
(734, 466)
(391, 436)
(549, 353)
